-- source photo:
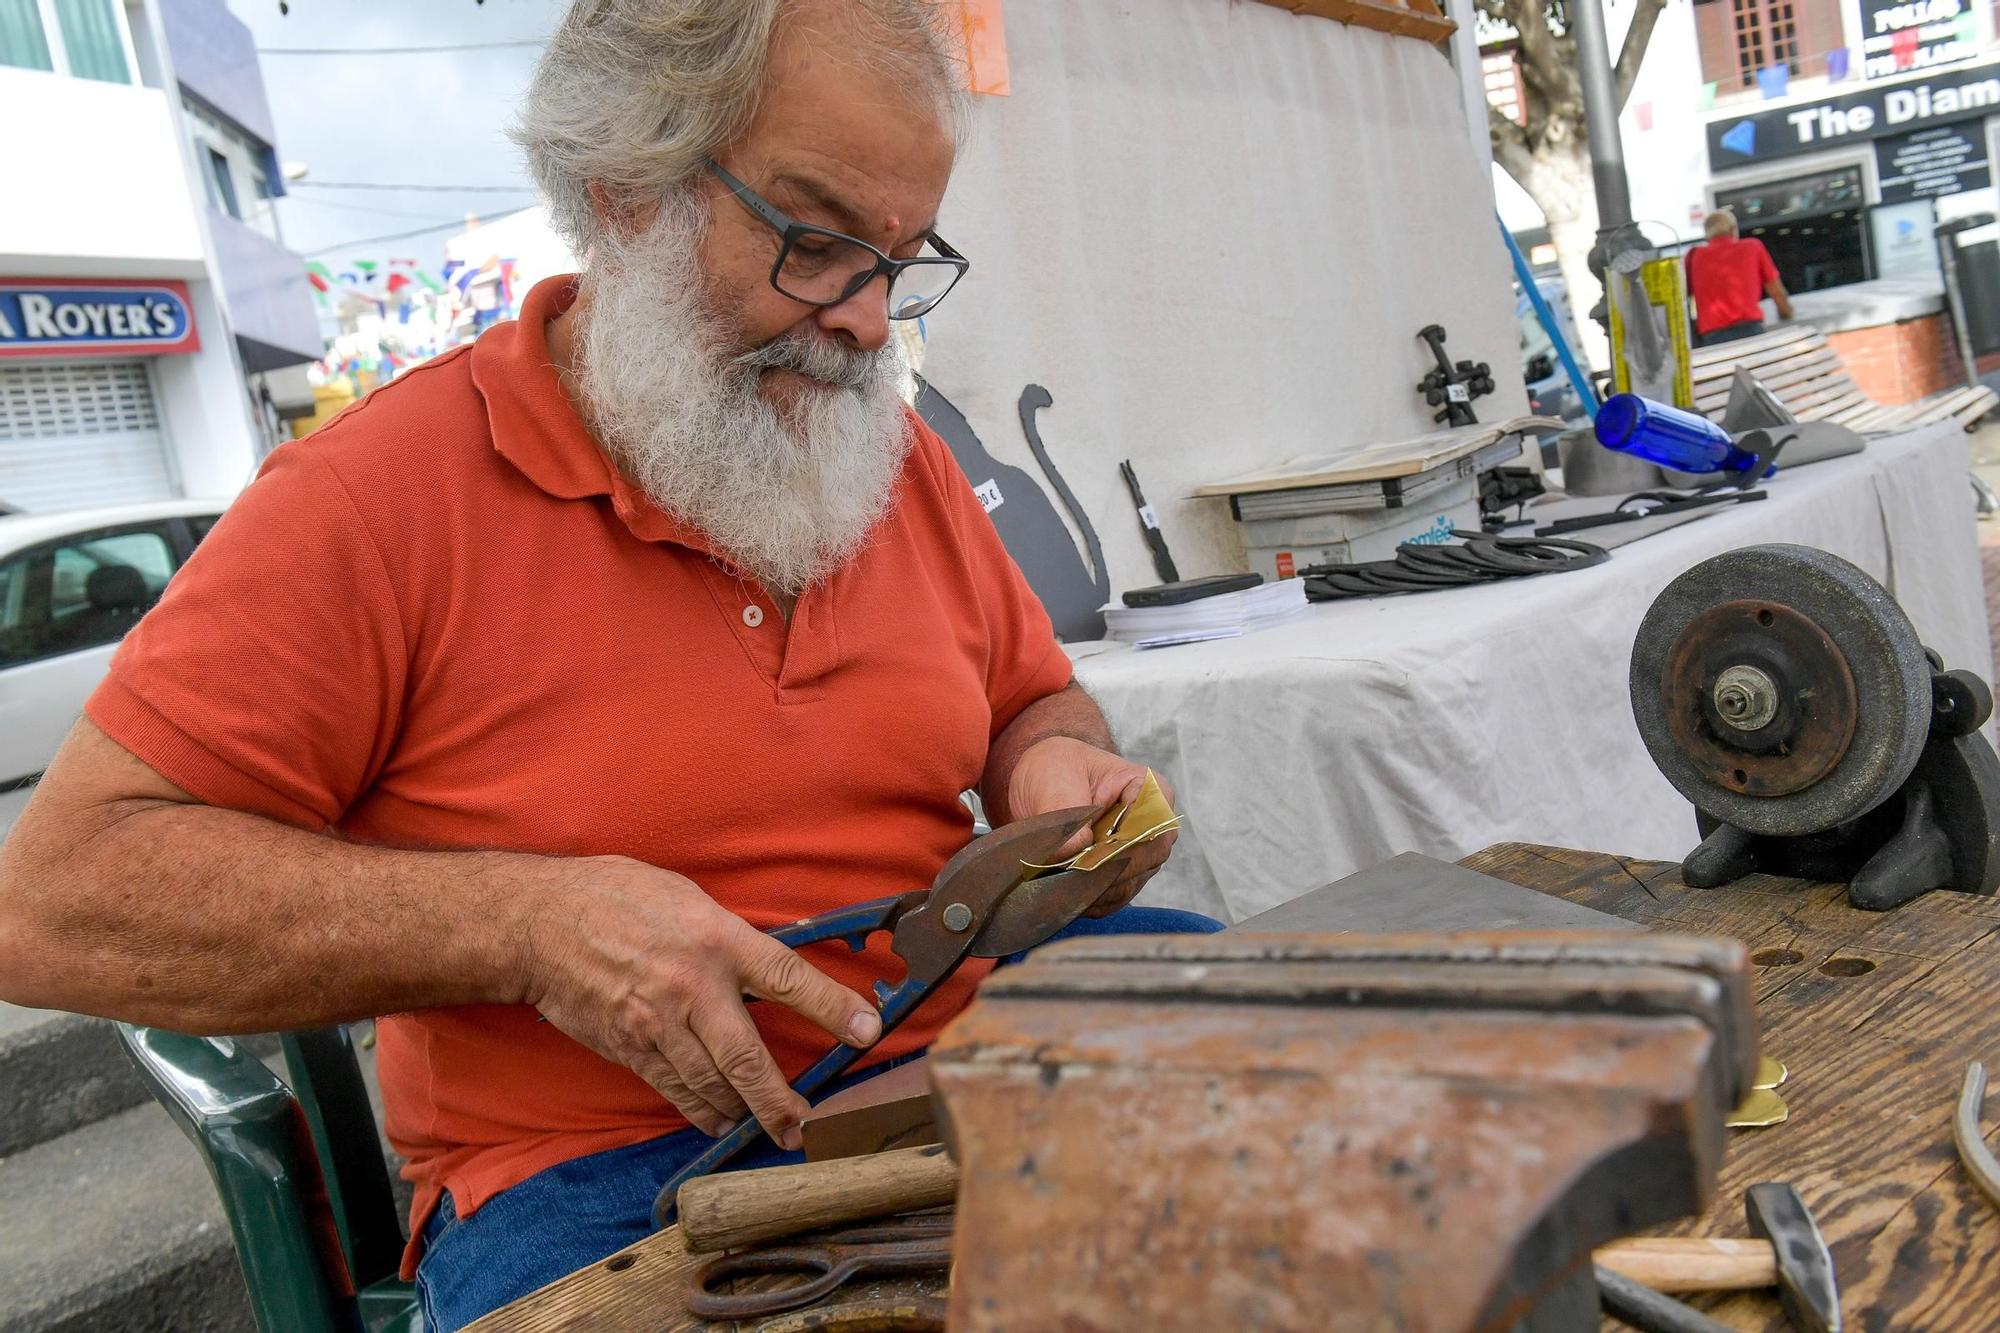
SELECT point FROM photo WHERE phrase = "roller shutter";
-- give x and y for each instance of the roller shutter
(77, 433)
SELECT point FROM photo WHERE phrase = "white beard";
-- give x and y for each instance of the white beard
(787, 496)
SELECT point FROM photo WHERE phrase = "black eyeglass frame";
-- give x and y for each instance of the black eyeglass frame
(790, 230)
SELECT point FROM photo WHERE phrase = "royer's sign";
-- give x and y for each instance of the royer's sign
(1965, 93)
(95, 317)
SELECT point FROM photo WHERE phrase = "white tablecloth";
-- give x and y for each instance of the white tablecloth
(1443, 722)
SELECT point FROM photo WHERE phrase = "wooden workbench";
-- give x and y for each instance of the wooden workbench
(1876, 1015)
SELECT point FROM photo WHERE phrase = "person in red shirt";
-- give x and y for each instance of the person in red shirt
(1729, 277)
(541, 680)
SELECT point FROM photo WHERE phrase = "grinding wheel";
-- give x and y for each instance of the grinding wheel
(1781, 689)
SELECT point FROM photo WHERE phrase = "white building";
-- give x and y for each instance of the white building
(153, 328)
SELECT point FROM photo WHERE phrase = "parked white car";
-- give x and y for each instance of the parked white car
(71, 584)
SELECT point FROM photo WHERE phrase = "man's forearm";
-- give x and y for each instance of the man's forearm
(1068, 712)
(211, 921)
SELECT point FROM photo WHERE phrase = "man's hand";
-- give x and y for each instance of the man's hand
(641, 966)
(1058, 772)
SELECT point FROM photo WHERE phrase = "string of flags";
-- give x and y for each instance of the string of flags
(1903, 50)
(400, 279)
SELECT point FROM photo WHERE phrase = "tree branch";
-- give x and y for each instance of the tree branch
(1548, 66)
(1633, 51)
(1510, 145)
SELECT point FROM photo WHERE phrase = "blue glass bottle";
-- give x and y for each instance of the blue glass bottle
(1683, 441)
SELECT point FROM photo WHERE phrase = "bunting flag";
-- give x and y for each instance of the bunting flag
(367, 266)
(1704, 97)
(1836, 64)
(1642, 114)
(1773, 80)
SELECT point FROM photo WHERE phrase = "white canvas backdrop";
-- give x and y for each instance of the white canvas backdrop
(1212, 230)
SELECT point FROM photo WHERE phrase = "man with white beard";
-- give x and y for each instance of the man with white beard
(542, 680)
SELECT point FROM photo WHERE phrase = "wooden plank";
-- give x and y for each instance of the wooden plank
(1821, 364)
(1875, 1056)
(1427, 23)
(1706, 360)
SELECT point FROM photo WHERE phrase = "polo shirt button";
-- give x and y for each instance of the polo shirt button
(753, 615)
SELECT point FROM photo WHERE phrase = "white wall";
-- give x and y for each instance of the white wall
(206, 415)
(1212, 231)
(90, 182)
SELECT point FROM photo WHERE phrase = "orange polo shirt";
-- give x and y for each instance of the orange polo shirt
(444, 621)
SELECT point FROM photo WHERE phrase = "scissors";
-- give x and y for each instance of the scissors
(989, 901)
(919, 1244)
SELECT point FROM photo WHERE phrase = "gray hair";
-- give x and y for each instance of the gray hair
(632, 95)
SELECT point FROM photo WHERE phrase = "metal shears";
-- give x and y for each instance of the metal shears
(817, 1266)
(987, 902)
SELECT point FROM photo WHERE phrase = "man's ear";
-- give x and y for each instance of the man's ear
(621, 217)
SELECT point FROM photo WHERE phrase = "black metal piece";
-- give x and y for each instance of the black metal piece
(1504, 488)
(1451, 388)
(1626, 514)
(1419, 567)
(1648, 1310)
(1149, 527)
(1531, 555)
(1029, 525)
(1033, 399)
(1806, 1284)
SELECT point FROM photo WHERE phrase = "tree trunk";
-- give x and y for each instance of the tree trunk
(1558, 180)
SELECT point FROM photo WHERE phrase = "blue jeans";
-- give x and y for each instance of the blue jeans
(579, 1211)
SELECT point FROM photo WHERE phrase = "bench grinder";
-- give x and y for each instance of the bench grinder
(1785, 694)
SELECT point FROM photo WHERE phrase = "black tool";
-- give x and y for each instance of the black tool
(1191, 590)
(1149, 524)
(1784, 693)
(1452, 386)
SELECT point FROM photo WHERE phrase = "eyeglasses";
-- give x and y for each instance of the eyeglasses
(822, 267)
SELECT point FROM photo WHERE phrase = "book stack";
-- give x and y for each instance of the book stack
(1223, 616)
(1361, 505)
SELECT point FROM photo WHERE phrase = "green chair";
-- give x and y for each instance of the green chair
(300, 1172)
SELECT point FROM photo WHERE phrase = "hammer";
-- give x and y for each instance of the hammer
(1789, 1254)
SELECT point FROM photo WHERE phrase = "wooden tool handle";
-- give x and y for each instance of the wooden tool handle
(723, 1212)
(1693, 1263)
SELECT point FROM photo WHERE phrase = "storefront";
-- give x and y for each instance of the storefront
(1847, 189)
(81, 416)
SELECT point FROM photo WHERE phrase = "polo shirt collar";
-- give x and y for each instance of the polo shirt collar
(535, 426)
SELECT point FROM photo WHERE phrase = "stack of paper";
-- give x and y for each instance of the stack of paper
(1223, 616)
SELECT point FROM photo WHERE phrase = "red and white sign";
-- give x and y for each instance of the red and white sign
(96, 317)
